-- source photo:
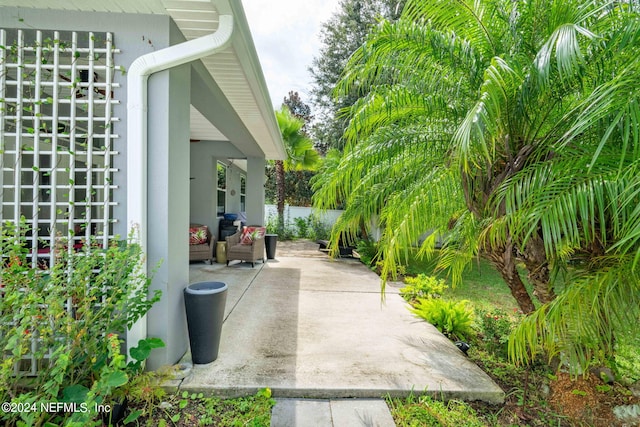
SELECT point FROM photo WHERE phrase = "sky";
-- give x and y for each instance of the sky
(286, 34)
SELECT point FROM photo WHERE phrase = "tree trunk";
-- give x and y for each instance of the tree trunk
(504, 261)
(363, 231)
(535, 259)
(280, 194)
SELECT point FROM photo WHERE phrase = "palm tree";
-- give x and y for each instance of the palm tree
(300, 154)
(511, 129)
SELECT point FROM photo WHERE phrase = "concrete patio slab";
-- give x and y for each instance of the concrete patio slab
(361, 412)
(307, 326)
(301, 413)
(328, 413)
(238, 277)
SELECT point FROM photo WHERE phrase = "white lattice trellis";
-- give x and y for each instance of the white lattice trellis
(57, 139)
(56, 135)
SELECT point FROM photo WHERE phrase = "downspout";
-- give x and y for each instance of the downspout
(137, 107)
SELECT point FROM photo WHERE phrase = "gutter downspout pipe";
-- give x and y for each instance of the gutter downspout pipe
(137, 108)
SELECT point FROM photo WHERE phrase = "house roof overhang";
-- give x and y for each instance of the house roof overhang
(236, 70)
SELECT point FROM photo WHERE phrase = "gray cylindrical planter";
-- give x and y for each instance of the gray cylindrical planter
(270, 241)
(204, 303)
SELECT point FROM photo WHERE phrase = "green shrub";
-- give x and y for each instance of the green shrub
(495, 326)
(368, 251)
(627, 357)
(284, 231)
(319, 229)
(69, 319)
(302, 227)
(422, 286)
(453, 318)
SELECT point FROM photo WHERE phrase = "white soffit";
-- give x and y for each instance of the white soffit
(121, 6)
(202, 129)
(236, 70)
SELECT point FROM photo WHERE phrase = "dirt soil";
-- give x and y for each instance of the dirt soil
(538, 399)
(588, 401)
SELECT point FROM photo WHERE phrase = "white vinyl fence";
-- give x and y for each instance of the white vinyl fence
(327, 218)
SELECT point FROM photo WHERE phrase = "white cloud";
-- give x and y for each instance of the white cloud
(286, 35)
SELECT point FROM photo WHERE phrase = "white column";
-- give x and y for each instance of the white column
(255, 190)
(168, 210)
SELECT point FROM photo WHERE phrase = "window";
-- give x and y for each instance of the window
(243, 193)
(222, 188)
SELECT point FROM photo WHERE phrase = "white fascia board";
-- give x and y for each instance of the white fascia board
(246, 51)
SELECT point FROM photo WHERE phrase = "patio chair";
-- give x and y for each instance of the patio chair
(246, 245)
(201, 243)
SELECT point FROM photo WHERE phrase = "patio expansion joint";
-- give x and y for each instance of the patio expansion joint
(243, 294)
(340, 291)
(173, 385)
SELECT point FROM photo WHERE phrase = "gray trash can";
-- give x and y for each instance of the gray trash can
(204, 303)
(270, 241)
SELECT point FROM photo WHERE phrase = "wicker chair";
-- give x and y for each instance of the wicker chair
(248, 252)
(204, 251)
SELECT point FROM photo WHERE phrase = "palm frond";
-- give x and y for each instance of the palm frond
(469, 19)
(426, 205)
(395, 52)
(580, 325)
(570, 208)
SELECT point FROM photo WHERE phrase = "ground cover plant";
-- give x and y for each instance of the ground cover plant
(152, 406)
(536, 395)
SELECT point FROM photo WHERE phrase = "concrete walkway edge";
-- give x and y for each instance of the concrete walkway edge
(332, 412)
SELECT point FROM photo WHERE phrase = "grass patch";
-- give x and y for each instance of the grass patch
(191, 409)
(480, 284)
(429, 412)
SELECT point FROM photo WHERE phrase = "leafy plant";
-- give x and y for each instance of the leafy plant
(284, 230)
(68, 320)
(453, 318)
(368, 251)
(272, 224)
(320, 230)
(627, 357)
(422, 286)
(495, 326)
(303, 226)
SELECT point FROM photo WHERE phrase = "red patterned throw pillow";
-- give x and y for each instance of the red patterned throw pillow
(198, 235)
(249, 234)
